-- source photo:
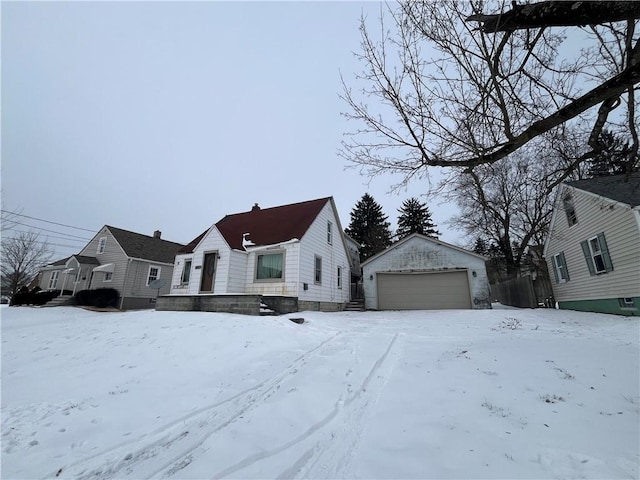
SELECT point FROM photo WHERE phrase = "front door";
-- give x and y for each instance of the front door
(208, 272)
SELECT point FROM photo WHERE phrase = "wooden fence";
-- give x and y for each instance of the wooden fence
(524, 292)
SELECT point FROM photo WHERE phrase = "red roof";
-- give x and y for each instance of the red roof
(266, 226)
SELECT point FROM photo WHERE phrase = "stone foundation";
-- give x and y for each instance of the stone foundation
(242, 304)
(320, 306)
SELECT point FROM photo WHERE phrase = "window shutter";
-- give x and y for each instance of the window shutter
(555, 269)
(564, 265)
(605, 252)
(587, 257)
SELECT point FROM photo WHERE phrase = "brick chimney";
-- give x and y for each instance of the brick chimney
(157, 234)
(255, 207)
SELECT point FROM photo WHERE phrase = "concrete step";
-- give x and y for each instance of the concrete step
(59, 301)
(355, 306)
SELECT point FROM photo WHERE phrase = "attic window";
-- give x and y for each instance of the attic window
(570, 209)
(102, 243)
(330, 233)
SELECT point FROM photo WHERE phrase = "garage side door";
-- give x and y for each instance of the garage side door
(423, 291)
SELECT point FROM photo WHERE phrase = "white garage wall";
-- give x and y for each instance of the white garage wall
(420, 253)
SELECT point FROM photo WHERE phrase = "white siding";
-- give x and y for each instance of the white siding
(420, 254)
(235, 270)
(176, 287)
(238, 262)
(333, 255)
(595, 215)
(212, 242)
(289, 287)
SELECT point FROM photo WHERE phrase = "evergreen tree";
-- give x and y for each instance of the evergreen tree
(369, 227)
(415, 217)
(481, 246)
(615, 159)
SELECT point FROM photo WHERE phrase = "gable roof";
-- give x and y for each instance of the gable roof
(189, 247)
(615, 187)
(428, 239)
(58, 263)
(266, 226)
(136, 245)
(86, 260)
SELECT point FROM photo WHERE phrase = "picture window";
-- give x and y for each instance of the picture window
(270, 266)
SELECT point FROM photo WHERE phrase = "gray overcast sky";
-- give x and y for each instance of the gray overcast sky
(170, 115)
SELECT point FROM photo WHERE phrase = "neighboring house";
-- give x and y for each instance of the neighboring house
(295, 252)
(593, 247)
(423, 273)
(120, 259)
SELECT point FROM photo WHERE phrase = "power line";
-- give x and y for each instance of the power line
(52, 231)
(54, 236)
(47, 243)
(46, 221)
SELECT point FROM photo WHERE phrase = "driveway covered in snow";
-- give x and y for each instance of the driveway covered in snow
(438, 394)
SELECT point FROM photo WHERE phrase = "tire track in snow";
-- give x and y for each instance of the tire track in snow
(342, 408)
(333, 453)
(129, 455)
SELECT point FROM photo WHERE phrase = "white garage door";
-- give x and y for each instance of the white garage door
(423, 291)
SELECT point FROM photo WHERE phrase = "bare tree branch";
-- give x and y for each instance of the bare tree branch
(22, 255)
(557, 14)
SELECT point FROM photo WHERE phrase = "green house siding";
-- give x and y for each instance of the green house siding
(604, 305)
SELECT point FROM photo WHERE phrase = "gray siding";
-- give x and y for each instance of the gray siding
(137, 275)
(112, 254)
(595, 215)
(129, 276)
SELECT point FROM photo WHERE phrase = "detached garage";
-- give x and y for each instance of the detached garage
(422, 273)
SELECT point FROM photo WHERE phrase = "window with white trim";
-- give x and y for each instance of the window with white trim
(53, 280)
(340, 277)
(570, 209)
(317, 278)
(154, 274)
(560, 268)
(596, 253)
(186, 272)
(626, 302)
(330, 233)
(102, 244)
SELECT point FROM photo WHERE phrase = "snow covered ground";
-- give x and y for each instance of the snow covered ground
(503, 393)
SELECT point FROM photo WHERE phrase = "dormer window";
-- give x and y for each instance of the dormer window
(570, 209)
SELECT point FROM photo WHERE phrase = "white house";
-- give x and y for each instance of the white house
(593, 247)
(423, 273)
(295, 252)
